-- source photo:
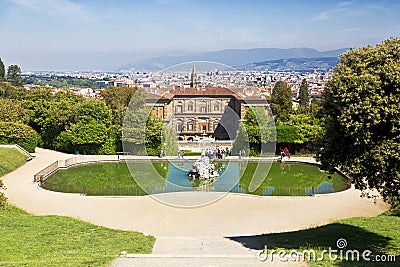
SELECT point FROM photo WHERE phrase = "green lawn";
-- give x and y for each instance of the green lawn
(10, 159)
(379, 234)
(191, 153)
(28, 240)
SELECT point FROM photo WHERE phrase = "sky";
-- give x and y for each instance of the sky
(105, 35)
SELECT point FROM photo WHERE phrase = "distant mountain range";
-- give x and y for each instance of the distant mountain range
(256, 58)
(294, 64)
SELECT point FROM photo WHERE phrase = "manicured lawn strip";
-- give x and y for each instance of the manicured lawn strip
(191, 153)
(28, 240)
(379, 234)
(10, 159)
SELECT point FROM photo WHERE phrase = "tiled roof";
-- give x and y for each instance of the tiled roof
(209, 91)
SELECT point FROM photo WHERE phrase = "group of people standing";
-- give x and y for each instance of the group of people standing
(181, 153)
(218, 153)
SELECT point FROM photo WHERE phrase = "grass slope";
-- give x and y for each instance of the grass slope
(380, 234)
(28, 240)
(10, 159)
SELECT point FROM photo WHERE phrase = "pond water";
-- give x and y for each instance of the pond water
(141, 178)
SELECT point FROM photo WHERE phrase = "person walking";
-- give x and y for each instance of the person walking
(83, 193)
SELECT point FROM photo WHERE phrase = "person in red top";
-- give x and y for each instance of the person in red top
(286, 152)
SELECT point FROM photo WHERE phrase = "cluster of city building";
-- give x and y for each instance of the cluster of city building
(206, 104)
(245, 83)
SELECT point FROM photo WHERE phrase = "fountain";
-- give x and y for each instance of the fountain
(203, 169)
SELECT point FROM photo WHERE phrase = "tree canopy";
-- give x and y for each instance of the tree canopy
(13, 111)
(256, 130)
(117, 99)
(304, 97)
(281, 101)
(2, 71)
(362, 118)
(14, 75)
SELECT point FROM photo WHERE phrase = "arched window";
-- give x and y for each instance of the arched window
(203, 107)
(179, 126)
(178, 108)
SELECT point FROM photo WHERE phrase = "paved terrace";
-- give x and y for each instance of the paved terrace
(186, 231)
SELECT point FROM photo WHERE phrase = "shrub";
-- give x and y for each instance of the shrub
(18, 133)
(3, 199)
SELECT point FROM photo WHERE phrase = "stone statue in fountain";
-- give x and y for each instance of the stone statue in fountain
(203, 169)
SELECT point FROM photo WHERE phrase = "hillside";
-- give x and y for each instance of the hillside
(293, 64)
(233, 57)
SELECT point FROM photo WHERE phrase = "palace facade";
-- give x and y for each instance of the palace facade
(212, 112)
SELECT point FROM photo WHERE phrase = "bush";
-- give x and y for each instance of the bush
(18, 133)
(286, 134)
(3, 199)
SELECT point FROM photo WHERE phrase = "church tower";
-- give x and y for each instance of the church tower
(193, 81)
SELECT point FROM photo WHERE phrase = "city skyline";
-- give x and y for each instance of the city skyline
(82, 35)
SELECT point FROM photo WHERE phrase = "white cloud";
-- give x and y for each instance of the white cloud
(321, 16)
(348, 3)
(54, 7)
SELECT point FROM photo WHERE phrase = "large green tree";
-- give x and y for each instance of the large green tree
(256, 129)
(2, 71)
(362, 118)
(54, 115)
(281, 101)
(8, 90)
(13, 111)
(241, 140)
(18, 133)
(91, 128)
(304, 97)
(14, 75)
(117, 99)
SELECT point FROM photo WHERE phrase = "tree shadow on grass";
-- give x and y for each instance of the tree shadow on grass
(320, 238)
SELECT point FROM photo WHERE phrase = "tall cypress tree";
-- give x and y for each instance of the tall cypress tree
(2, 71)
(14, 75)
(281, 101)
(304, 97)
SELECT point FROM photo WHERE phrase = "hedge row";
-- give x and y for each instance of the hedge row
(18, 133)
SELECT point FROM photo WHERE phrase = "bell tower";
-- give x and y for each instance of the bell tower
(193, 80)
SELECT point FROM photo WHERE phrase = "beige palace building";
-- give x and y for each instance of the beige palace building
(212, 112)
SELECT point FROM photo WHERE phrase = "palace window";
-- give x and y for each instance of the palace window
(216, 107)
(203, 107)
(178, 108)
(204, 127)
(179, 127)
(190, 127)
(190, 107)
